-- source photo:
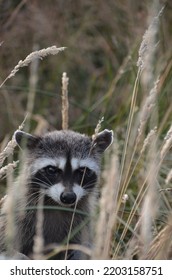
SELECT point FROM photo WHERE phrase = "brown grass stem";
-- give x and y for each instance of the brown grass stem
(107, 218)
(38, 238)
(33, 80)
(130, 119)
(65, 102)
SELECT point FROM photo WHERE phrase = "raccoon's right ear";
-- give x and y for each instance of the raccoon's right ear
(103, 140)
(26, 140)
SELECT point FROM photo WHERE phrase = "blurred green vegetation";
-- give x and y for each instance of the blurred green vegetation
(102, 40)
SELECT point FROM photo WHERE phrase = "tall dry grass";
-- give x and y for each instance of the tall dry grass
(136, 234)
(134, 210)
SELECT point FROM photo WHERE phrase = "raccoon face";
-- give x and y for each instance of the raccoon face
(64, 165)
(66, 180)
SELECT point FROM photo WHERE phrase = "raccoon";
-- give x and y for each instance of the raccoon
(64, 167)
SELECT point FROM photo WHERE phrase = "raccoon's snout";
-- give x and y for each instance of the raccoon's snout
(68, 197)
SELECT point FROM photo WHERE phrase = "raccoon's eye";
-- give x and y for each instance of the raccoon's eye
(52, 170)
(84, 171)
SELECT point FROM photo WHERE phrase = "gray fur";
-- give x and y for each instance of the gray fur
(66, 145)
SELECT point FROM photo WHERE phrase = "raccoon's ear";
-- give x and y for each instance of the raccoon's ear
(25, 139)
(103, 140)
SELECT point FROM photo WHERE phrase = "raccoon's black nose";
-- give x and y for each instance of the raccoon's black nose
(68, 197)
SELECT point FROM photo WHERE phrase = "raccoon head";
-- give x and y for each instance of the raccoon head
(64, 165)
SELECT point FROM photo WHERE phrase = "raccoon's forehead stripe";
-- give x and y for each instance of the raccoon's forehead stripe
(43, 162)
(87, 162)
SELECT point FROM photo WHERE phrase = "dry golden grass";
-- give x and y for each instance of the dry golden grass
(39, 54)
(130, 221)
(65, 102)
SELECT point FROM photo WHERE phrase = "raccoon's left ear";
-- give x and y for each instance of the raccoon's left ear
(25, 139)
(103, 140)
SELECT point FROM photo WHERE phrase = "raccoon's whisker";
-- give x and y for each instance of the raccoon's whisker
(44, 176)
(40, 183)
(91, 184)
(33, 198)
